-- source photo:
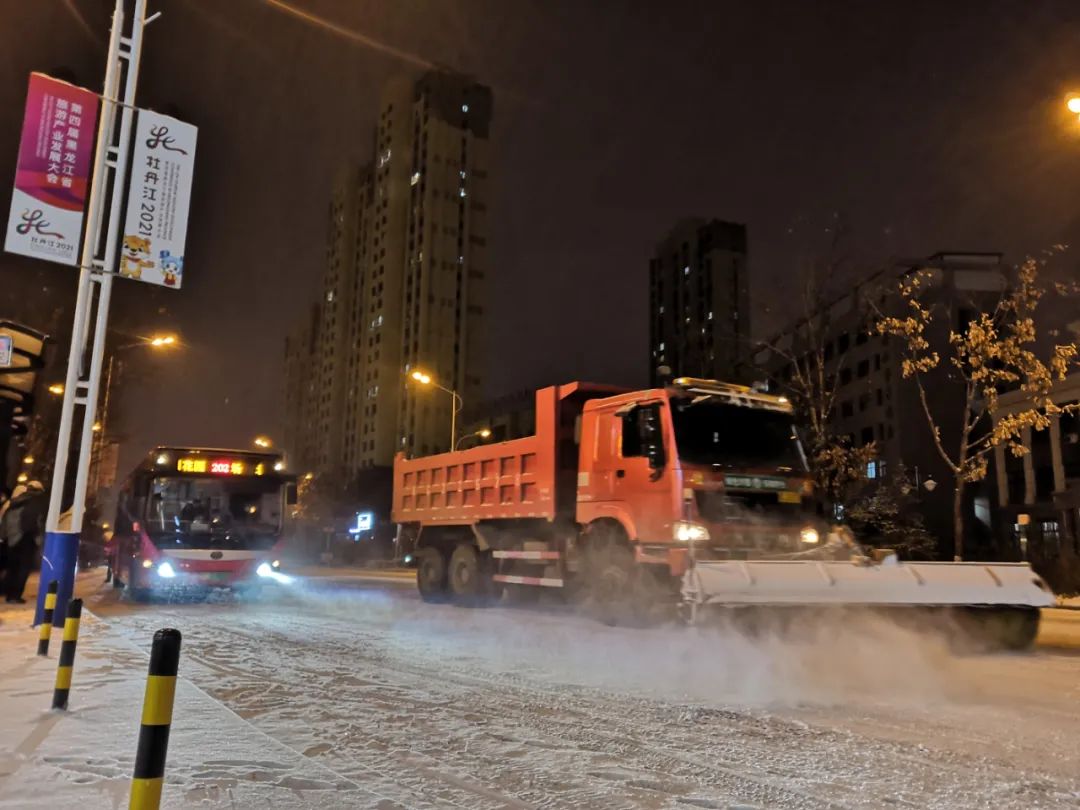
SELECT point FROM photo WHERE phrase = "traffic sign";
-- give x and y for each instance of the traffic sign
(6, 345)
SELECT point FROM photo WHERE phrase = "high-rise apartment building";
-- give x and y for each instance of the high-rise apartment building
(406, 261)
(699, 301)
(301, 390)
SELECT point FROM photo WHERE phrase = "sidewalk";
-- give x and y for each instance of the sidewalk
(84, 757)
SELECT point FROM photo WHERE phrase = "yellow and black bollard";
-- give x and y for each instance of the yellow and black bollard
(156, 719)
(45, 632)
(67, 654)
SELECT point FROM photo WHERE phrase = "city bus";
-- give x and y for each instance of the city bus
(195, 519)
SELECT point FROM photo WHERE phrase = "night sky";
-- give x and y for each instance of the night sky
(922, 126)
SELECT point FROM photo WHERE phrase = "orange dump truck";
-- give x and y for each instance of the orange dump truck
(695, 494)
(609, 495)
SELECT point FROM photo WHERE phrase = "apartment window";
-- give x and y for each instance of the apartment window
(843, 343)
(845, 376)
(846, 411)
(863, 368)
(867, 435)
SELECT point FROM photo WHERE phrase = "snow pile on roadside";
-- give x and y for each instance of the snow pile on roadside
(84, 757)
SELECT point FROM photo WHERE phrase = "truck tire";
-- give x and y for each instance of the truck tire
(469, 577)
(621, 592)
(431, 574)
(608, 592)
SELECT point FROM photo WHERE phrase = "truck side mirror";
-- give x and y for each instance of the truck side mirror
(291, 497)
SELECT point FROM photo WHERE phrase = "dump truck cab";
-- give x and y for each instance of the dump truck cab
(702, 463)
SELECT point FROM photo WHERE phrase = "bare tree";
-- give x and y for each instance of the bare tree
(992, 353)
(813, 361)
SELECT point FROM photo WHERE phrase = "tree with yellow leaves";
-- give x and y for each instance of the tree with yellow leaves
(992, 353)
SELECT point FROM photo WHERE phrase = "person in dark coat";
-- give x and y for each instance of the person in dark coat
(21, 526)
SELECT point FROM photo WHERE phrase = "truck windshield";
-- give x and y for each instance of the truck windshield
(239, 513)
(708, 431)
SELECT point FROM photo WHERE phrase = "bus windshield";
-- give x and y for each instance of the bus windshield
(188, 512)
(709, 431)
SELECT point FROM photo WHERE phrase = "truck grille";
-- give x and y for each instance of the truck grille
(748, 522)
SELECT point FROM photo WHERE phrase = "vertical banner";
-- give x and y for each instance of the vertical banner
(53, 171)
(159, 195)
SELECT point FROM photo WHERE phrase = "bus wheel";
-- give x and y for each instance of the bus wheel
(470, 577)
(431, 574)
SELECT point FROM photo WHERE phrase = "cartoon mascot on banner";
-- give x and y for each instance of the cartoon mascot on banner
(172, 268)
(135, 256)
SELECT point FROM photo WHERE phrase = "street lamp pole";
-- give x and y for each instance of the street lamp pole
(483, 433)
(457, 405)
(100, 441)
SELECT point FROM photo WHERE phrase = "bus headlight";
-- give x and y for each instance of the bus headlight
(809, 535)
(268, 571)
(147, 563)
(165, 571)
(686, 532)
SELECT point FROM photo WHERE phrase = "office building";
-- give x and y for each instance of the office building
(699, 301)
(873, 401)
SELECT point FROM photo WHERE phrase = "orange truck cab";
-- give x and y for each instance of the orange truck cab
(610, 495)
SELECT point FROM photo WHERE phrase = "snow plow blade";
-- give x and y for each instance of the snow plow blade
(805, 582)
(988, 605)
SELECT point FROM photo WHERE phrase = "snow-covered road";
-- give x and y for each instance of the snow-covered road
(420, 706)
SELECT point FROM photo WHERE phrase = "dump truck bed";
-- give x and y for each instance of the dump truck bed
(521, 478)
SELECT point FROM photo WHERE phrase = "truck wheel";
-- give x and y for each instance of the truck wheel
(610, 577)
(431, 574)
(619, 591)
(470, 577)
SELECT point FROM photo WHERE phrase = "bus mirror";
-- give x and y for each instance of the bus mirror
(290, 495)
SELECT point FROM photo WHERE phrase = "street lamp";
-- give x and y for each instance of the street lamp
(483, 433)
(56, 389)
(426, 379)
(263, 442)
(28, 460)
(101, 427)
(1072, 104)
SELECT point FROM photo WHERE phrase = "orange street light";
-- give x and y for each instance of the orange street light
(163, 340)
(263, 441)
(426, 379)
(1072, 103)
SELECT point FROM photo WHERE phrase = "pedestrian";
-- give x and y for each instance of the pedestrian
(21, 527)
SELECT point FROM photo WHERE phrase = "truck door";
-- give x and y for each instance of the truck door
(643, 478)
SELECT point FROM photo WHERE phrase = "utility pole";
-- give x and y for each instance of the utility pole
(97, 266)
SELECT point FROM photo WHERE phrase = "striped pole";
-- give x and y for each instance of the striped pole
(45, 631)
(67, 655)
(156, 719)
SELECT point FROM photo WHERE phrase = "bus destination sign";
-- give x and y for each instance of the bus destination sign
(201, 465)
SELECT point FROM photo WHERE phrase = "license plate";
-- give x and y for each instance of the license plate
(754, 482)
(217, 577)
(789, 497)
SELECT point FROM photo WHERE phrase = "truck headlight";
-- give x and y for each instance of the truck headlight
(809, 535)
(686, 532)
(264, 570)
(165, 571)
